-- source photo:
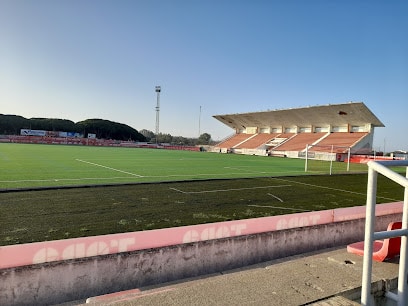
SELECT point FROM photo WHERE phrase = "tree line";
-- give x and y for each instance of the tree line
(104, 129)
(203, 139)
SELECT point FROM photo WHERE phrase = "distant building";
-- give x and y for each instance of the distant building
(400, 154)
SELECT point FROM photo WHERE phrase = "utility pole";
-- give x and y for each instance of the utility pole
(158, 90)
(199, 123)
(384, 147)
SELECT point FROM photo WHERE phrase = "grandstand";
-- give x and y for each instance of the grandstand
(334, 129)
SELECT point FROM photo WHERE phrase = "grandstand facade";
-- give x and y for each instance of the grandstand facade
(328, 132)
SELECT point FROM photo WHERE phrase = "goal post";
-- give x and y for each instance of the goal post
(326, 159)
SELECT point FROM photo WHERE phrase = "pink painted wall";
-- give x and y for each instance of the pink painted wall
(359, 212)
(41, 252)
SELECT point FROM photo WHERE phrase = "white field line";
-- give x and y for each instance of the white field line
(331, 188)
(109, 168)
(278, 207)
(274, 196)
(225, 190)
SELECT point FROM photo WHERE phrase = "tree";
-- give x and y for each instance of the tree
(11, 124)
(204, 139)
(148, 134)
(110, 130)
(180, 141)
(105, 129)
(164, 138)
(47, 124)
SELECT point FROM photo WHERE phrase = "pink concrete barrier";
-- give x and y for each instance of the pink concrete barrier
(41, 252)
(358, 212)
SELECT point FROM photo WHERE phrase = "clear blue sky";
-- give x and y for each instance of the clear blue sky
(82, 59)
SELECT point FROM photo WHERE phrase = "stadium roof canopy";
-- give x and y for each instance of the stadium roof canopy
(353, 113)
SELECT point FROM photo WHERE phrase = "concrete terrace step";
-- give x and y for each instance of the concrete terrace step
(329, 277)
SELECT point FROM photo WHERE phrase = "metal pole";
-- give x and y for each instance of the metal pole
(158, 89)
(306, 157)
(369, 237)
(199, 123)
(331, 160)
(403, 269)
(384, 147)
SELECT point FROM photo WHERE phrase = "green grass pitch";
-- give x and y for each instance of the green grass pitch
(26, 165)
(127, 189)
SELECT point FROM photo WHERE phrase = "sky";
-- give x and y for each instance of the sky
(85, 59)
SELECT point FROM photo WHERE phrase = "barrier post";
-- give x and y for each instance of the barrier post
(369, 237)
(403, 270)
(375, 167)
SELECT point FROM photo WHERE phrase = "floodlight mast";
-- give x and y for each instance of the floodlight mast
(158, 90)
(199, 123)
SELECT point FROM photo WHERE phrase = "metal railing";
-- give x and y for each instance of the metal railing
(382, 167)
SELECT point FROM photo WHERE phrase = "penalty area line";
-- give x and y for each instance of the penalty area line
(331, 188)
(109, 168)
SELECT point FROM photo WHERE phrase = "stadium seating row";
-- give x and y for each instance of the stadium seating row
(293, 141)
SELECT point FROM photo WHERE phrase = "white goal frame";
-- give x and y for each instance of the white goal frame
(328, 155)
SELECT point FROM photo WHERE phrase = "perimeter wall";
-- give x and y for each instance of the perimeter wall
(54, 272)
